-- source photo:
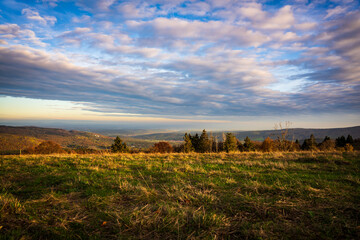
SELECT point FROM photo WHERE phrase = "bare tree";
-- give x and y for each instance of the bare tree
(283, 128)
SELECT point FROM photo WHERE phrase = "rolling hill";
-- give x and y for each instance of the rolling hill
(10, 136)
(15, 138)
(294, 133)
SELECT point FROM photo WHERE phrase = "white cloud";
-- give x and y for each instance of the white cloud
(335, 11)
(13, 31)
(35, 16)
(133, 11)
(213, 31)
(82, 19)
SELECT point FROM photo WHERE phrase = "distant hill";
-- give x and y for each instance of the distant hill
(130, 132)
(294, 133)
(15, 138)
(71, 139)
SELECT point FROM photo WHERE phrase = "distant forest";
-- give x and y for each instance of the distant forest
(206, 143)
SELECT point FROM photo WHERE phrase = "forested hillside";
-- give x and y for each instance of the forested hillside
(294, 133)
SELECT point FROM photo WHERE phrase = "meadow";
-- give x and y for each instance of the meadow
(301, 195)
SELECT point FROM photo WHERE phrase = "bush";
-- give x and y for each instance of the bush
(162, 147)
(46, 147)
(349, 147)
(267, 145)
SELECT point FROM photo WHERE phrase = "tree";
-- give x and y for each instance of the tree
(195, 141)
(230, 144)
(46, 147)
(162, 147)
(188, 147)
(204, 142)
(310, 144)
(119, 146)
(283, 128)
(327, 144)
(248, 145)
(240, 146)
(340, 142)
(350, 140)
(267, 145)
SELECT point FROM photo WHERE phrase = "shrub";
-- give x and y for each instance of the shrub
(162, 147)
(46, 147)
(349, 147)
(267, 145)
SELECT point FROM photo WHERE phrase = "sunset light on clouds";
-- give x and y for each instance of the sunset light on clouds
(228, 64)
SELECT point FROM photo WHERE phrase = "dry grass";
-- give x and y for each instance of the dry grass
(181, 196)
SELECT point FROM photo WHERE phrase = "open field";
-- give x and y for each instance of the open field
(181, 196)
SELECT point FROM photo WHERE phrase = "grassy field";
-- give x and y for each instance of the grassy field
(181, 196)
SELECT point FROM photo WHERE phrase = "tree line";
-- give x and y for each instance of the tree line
(207, 143)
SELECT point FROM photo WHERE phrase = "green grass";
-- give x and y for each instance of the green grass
(181, 196)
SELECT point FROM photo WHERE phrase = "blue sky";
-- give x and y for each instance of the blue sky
(218, 64)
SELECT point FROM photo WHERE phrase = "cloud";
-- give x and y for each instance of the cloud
(52, 3)
(195, 8)
(13, 31)
(335, 11)
(282, 19)
(212, 31)
(96, 5)
(132, 10)
(82, 19)
(218, 58)
(227, 85)
(339, 58)
(35, 16)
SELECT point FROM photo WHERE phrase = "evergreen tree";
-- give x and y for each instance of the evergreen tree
(297, 145)
(119, 145)
(204, 142)
(350, 140)
(248, 145)
(211, 142)
(195, 141)
(240, 146)
(188, 147)
(310, 144)
(327, 144)
(313, 141)
(340, 142)
(230, 144)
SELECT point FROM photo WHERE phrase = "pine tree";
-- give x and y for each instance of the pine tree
(204, 142)
(230, 144)
(350, 140)
(327, 144)
(119, 145)
(340, 142)
(188, 147)
(195, 141)
(248, 145)
(313, 144)
(310, 144)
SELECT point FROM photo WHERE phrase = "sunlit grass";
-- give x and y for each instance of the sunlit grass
(179, 196)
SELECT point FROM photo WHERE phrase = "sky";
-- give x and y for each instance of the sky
(215, 64)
